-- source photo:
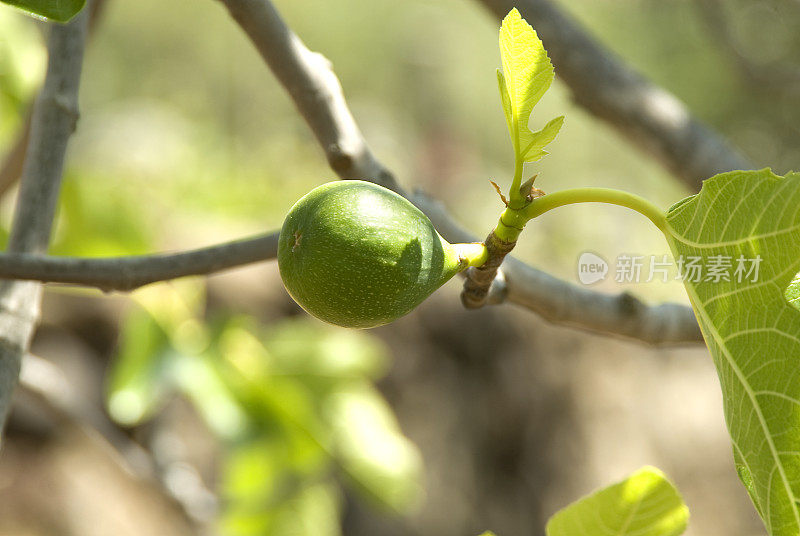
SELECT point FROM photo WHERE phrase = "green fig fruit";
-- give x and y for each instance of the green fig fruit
(357, 255)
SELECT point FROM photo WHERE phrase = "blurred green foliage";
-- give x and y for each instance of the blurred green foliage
(293, 403)
(22, 63)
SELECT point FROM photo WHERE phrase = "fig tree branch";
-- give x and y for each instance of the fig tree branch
(555, 300)
(478, 279)
(129, 273)
(55, 115)
(318, 95)
(647, 115)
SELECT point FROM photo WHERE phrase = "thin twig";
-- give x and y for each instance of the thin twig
(55, 115)
(129, 273)
(647, 115)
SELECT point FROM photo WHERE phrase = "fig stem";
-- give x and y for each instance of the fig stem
(473, 254)
(548, 202)
(515, 198)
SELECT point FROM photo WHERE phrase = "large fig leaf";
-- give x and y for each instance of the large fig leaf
(751, 221)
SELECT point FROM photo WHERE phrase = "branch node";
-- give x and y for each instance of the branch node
(67, 107)
(629, 305)
(479, 279)
(339, 159)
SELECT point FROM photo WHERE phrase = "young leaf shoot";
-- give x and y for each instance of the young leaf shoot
(526, 76)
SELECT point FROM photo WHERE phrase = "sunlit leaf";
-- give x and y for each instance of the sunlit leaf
(56, 10)
(313, 510)
(752, 331)
(199, 379)
(137, 377)
(23, 59)
(177, 306)
(273, 402)
(508, 110)
(306, 348)
(381, 461)
(527, 74)
(533, 147)
(644, 504)
(263, 472)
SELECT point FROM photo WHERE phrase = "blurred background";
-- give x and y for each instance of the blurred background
(216, 406)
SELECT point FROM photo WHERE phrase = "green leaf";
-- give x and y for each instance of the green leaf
(199, 378)
(381, 462)
(750, 327)
(311, 352)
(271, 399)
(312, 382)
(265, 472)
(505, 100)
(533, 146)
(527, 74)
(56, 10)
(644, 504)
(312, 511)
(23, 60)
(137, 377)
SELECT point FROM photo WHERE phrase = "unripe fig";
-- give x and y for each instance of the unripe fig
(358, 255)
